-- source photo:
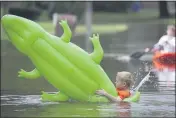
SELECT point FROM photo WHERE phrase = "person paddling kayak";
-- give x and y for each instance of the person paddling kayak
(164, 51)
(166, 43)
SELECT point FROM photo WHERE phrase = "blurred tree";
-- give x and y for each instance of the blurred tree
(43, 5)
(111, 6)
(76, 8)
(163, 9)
(21, 8)
(4, 8)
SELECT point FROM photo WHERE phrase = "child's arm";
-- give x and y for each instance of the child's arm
(110, 97)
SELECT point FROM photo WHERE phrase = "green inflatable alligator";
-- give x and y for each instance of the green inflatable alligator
(74, 72)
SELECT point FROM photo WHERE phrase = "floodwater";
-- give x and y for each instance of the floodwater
(21, 97)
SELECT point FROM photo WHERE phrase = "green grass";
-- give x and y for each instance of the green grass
(48, 26)
(81, 29)
(115, 22)
(109, 22)
(124, 17)
(171, 21)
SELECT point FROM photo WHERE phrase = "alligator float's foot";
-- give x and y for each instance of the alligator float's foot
(67, 31)
(59, 97)
(34, 74)
(134, 98)
(97, 54)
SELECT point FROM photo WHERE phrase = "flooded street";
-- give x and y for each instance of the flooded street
(21, 97)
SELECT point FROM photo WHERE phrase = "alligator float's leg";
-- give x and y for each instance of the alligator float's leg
(60, 97)
(97, 54)
(34, 74)
(67, 31)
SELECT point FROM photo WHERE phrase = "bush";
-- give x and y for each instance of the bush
(31, 14)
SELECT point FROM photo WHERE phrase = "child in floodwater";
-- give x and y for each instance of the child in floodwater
(166, 43)
(124, 81)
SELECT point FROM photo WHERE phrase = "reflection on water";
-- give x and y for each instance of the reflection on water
(167, 79)
(21, 97)
(151, 104)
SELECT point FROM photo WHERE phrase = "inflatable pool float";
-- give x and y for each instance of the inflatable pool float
(164, 60)
(71, 70)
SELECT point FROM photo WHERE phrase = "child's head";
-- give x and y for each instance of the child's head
(124, 80)
(171, 30)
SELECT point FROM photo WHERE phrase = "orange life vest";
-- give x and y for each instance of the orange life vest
(123, 93)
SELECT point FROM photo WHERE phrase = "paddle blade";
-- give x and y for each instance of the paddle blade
(137, 55)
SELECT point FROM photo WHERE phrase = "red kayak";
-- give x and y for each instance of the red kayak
(164, 60)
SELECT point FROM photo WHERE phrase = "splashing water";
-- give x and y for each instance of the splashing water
(146, 78)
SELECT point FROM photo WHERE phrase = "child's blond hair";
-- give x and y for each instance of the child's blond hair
(126, 77)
